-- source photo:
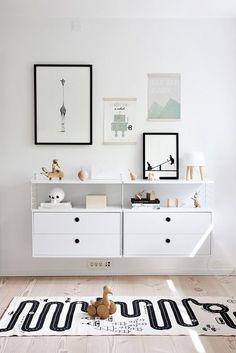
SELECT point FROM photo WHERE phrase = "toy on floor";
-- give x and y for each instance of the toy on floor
(55, 172)
(102, 307)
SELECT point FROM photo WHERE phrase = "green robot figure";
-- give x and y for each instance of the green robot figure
(119, 124)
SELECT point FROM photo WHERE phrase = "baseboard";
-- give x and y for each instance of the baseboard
(75, 272)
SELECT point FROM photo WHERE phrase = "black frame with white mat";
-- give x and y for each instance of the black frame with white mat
(161, 155)
(62, 104)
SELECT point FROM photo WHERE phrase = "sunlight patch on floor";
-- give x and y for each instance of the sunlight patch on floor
(171, 285)
(196, 341)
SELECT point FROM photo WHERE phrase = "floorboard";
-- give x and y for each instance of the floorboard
(123, 285)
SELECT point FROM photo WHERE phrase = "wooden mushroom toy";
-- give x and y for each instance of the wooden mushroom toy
(102, 307)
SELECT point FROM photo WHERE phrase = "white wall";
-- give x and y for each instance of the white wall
(122, 52)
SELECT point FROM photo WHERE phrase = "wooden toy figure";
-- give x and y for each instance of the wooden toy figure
(132, 175)
(196, 203)
(102, 307)
(55, 173)
(138, 195)
(151, 196)
(55, 166)
(83, 175)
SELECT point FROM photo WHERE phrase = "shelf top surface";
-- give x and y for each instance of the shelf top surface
(117, 181)
(109, 209)
(125, 209)
(76, 181)
(169, 210)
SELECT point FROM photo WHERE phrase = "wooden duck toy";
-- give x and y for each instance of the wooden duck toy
(102, 307)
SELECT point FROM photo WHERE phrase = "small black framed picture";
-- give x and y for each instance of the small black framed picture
(63, 104)
(160, 155)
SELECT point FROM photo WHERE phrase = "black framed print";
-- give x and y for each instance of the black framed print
(160, 155)
(63, 104)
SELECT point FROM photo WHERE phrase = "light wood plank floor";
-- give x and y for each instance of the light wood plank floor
(130, 285)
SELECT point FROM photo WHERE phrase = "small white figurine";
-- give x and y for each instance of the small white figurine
(56, 195)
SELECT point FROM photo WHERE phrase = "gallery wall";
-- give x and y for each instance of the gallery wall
(122, 52)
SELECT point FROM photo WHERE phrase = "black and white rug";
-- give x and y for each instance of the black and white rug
(36, 316)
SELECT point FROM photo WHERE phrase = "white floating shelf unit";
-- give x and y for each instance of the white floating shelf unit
(120, 230)
(119, 192)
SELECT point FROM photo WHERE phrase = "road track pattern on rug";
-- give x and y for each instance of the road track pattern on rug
(33, 316)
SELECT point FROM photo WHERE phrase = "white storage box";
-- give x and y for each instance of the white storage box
(96, 201)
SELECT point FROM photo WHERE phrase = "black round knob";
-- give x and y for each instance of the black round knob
(167, 240)
(168, 219)
(76, 219)
(77, 241)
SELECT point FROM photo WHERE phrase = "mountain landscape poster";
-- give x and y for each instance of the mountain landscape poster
(164, 97)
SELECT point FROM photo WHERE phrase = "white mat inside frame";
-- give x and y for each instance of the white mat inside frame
(38, 316)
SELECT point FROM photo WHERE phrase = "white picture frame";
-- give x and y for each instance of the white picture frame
(119, 120)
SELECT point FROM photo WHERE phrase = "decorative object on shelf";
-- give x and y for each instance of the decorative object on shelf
(63, 93)
(102, 307)
(96, 201)
(119, 120)
(160, 155)
(139, 195)
(164, 97)
(55, 172)
(194, 159)
(59, 205)
(83, 175)
(196, 202)
(132, 175)
(152, 177)
(145, 203)
(56, 195)
(151, 195)
(175, 202)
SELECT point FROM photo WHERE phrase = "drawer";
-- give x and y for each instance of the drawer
(160, 244)
(73, 222)
(169, 222)
(63, 245)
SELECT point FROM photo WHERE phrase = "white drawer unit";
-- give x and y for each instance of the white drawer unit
(164, 244)
(117, 230)
(75, 222)
(72, 234)
(178, 234)
(169, 222)
(72, 245)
